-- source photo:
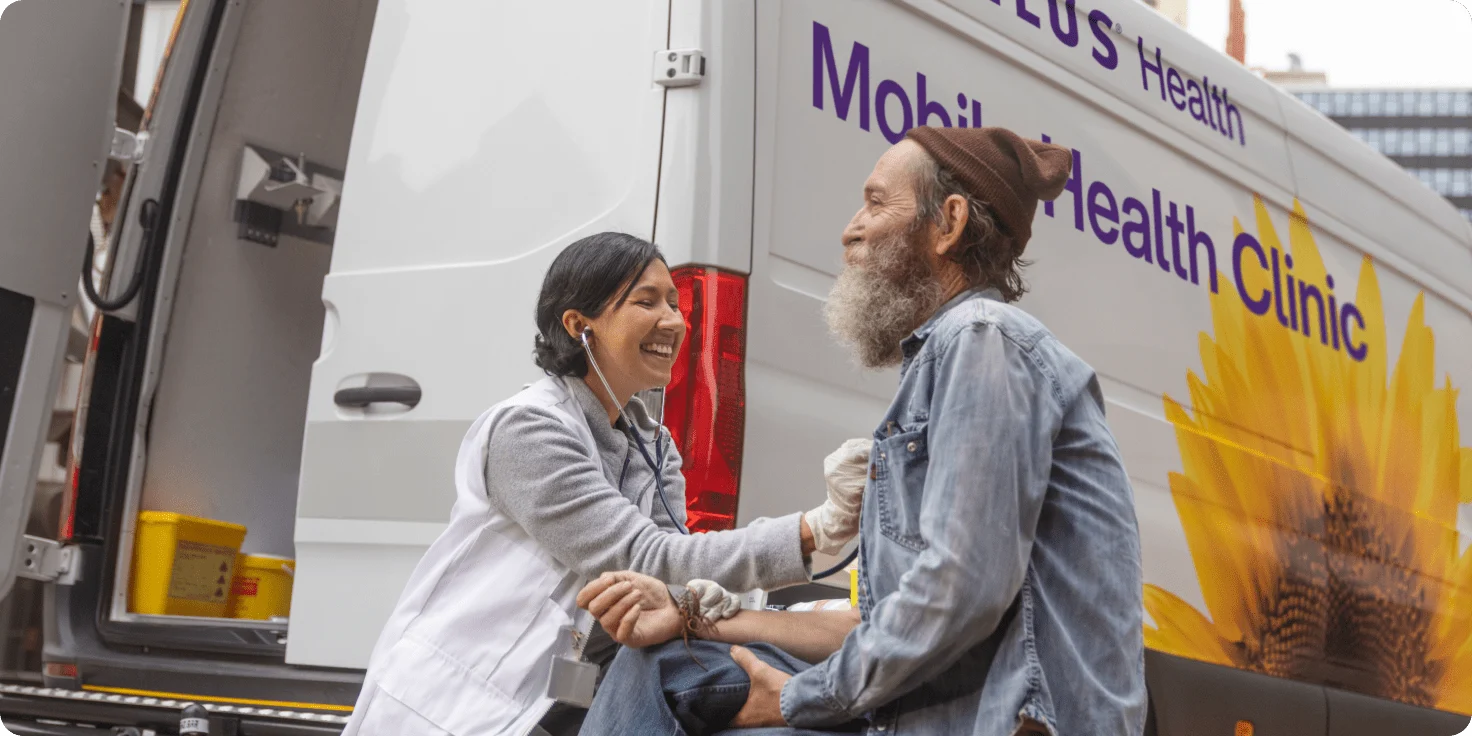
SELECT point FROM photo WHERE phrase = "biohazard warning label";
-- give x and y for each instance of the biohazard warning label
(201, 572)
(246, 587)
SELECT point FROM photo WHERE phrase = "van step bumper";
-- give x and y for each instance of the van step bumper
(28, 703)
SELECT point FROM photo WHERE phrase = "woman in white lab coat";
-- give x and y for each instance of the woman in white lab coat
(567, 479)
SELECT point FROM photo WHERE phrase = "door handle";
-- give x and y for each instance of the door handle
(361, 397)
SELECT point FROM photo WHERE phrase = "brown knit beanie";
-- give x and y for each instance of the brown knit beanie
(1008, 172)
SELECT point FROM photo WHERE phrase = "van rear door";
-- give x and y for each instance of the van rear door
(60, 62)
(486, 140)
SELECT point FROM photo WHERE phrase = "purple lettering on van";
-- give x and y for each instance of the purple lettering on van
(1141, 249)
(926, 107)
(1028, 15)
(1146, 68)
(1278, 288)
(1177, 229)
(1333, 309)
(1245, 242)
(1232, 111)
(1176, 86)
(855, 80)
(1197, 239)
(890, 88)
(1108, 211)
(1068, 37)
(1198, 108)
(1160, 259)
(1075, 186)
(1348, 311)
(1102, 24)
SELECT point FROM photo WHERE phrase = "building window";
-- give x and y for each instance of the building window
(1425, 141)
(1408, 103)
(1443, 181)
(1375, 104)
(1425, 104)
(1462, 142)
(1443, 142)
(1341, 103)
(1443, 103)
(1392, 103)
(1462, 104)
(1461, 183)
(1357, 103)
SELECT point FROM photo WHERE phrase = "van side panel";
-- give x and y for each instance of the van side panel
(486, 140)
(1282, 374)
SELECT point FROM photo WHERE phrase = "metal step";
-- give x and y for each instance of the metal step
(151, 709)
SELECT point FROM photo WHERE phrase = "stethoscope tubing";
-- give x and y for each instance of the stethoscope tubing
(656, 463)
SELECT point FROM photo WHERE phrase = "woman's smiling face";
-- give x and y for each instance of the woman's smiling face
(635, 339)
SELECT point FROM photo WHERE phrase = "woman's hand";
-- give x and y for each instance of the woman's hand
(636, 610)
(837, 520)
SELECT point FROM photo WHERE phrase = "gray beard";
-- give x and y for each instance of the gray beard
(873, 307)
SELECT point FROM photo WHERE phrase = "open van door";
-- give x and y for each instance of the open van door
(444, 234)
(60, 62)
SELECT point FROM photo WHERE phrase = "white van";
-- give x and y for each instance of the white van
(1280, 317)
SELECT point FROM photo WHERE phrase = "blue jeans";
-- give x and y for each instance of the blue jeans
(661, 690)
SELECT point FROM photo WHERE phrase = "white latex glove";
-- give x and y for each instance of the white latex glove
(837, 520)
(716, 603)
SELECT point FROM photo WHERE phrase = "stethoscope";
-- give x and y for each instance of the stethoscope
(655, 463)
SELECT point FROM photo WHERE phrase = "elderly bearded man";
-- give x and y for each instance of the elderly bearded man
(1000, 587)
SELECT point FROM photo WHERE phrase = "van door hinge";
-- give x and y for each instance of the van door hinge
(679, 67)
(49, 561)
(127, 146)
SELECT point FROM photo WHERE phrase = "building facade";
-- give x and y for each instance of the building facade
(1173, 9)
(1427, 131)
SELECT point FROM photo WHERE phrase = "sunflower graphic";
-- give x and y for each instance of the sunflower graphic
(1319, 499)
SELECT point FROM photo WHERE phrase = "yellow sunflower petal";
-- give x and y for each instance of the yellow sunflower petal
(1182, 630)
(1230, 549)
(1466, 480)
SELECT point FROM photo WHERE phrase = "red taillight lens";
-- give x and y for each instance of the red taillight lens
(57, 669)
(705, 405)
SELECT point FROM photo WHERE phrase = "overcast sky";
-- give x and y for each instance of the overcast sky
(1360, 43)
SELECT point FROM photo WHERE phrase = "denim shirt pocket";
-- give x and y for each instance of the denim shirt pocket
(900, 462)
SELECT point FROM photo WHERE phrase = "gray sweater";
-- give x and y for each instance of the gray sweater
(539, 474)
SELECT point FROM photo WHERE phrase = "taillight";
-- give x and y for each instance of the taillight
(705, 405)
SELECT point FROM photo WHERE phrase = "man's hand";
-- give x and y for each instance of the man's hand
(636, 610)
(764, 699)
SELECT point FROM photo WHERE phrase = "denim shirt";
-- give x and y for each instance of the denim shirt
(1000, 574)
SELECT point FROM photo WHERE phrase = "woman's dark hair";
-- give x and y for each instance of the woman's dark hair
(588, 275)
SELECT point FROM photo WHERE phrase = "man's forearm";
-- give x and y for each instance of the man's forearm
(808, 635)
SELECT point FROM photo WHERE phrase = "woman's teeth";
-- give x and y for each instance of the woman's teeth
(659, 349)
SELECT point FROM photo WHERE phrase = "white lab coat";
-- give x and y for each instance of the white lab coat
(468, 648)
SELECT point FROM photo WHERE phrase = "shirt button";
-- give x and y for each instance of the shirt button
(912, 447)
